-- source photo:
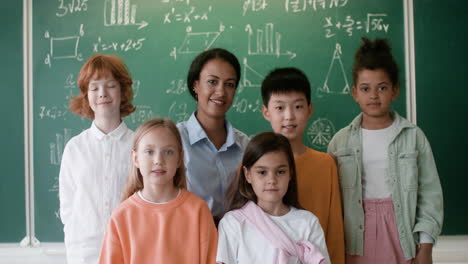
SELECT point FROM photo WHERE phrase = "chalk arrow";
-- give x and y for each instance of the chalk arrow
(142, 24)
(291, 55)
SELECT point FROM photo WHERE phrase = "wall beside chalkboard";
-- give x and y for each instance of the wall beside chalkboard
(12, 180)
(158, 40)
(441, 96)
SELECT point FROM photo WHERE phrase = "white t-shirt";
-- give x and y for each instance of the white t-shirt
(93, 173)
(375, 180)
(243, 243)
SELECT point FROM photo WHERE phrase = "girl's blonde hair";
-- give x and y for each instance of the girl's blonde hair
(135, 179)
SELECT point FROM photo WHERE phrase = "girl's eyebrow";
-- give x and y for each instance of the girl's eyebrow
(265, 167)
(153, 146)
(101, 81)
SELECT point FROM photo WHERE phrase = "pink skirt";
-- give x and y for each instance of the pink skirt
(381, 242)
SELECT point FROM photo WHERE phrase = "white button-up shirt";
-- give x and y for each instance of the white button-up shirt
(93, 173)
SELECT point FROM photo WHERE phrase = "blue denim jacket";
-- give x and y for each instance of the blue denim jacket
(413, 177)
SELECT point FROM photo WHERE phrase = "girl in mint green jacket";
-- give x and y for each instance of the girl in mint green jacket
(390, 189)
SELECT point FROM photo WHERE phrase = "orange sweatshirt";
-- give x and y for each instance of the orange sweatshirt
(180, 231)
(319, 193)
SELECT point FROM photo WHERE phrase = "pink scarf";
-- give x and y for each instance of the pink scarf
(285, 247)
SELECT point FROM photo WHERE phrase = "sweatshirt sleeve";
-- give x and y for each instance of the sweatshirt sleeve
(209, 243)
(111, 251)
(335, 233)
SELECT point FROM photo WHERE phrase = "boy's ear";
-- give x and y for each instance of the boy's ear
(396, 92)
(354, 92)
(265, 113)
(247, 175)
(311, 110)
(135, 159)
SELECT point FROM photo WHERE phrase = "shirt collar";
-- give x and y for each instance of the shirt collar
(117, 133)
(197, 133)
(400, 123)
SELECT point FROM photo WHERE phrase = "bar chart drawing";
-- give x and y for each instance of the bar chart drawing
(266, 42)
(56, 148)
(121, 13)
(336, 81)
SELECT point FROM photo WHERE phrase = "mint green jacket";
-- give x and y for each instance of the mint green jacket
(413, 179)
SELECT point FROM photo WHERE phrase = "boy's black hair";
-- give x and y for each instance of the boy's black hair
(199, 62)
(373, 55)
(285, 80)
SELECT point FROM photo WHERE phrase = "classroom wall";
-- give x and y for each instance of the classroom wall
(12, 180)
(441, 91)
(440, 40)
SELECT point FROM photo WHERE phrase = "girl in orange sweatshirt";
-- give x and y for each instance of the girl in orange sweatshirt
(159, 221)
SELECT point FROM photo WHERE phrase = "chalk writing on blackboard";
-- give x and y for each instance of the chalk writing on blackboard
(56, 147)
(70, 85)
(59, 112)
(121, 13)
(177, 87)
(250, 76)
(136, 88)
(336, 74)
(63, 47)
(127, 45)
(253, 5)
(52, 112)
(196, 42)
(296, 6)
(71, 6)
(141, 114)
(187, 2)
(242, 105)
(174, 15)
(320, 133)
(178, 112)
(372, 23)
(265, 42)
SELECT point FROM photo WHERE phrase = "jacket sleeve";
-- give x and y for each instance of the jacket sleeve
(331, 149)
(335, 233)
(111, 251)
(429, 209)
(209, 243)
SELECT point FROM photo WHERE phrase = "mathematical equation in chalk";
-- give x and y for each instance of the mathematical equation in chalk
(71, 6)
(245, 105)
(372, 23)
(296, 6)
(186, 16)
(127, 45)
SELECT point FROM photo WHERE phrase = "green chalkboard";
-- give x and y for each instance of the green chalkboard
(158, 40)
(12, 188)
(440, 42)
